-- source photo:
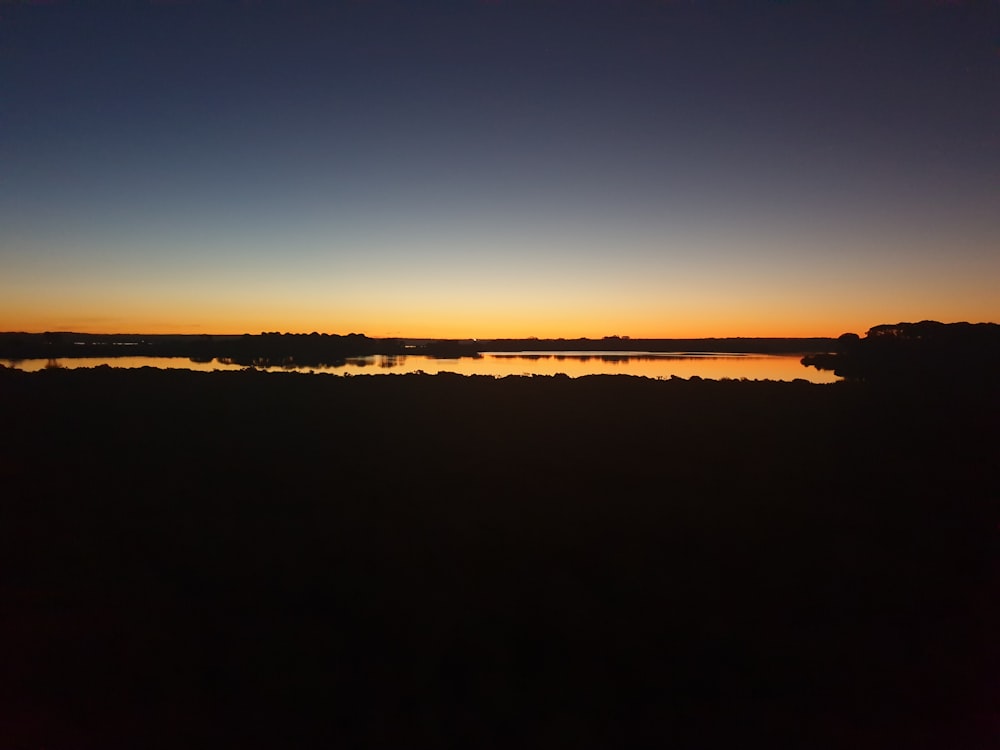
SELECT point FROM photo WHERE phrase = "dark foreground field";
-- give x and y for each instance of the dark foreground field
(251, 560)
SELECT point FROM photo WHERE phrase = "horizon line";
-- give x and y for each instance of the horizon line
(612, 337)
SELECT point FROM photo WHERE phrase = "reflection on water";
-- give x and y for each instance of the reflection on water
(500, 364)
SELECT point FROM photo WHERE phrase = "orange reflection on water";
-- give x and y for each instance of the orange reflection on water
(711, 365)
(651, 365)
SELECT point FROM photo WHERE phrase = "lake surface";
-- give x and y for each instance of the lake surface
(500, 364)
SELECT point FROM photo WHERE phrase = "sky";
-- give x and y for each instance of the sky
(498, 169)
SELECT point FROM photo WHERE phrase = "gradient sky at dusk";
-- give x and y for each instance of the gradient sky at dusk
(498, 168)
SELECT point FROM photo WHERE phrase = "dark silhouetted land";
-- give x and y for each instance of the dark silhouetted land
(284, 560)
(316, 349)
(928, 355)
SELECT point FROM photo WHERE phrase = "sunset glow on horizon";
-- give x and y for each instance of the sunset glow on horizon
(498, 170)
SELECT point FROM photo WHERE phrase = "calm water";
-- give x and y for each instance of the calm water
(500, 364)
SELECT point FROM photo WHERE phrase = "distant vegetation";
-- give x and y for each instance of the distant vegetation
(318, 349)
(925, 352)
(928, 352)
(261, 350)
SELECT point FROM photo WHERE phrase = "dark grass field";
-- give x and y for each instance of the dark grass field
(285, 560)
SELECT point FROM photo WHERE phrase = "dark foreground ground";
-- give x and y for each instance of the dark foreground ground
(250, 560)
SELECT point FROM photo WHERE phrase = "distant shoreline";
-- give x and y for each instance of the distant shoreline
(315, 348)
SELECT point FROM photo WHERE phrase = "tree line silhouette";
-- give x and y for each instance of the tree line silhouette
(323, 349)
(924, 353)
(251, 350)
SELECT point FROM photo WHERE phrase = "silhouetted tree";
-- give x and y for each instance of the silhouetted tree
(928, 353)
